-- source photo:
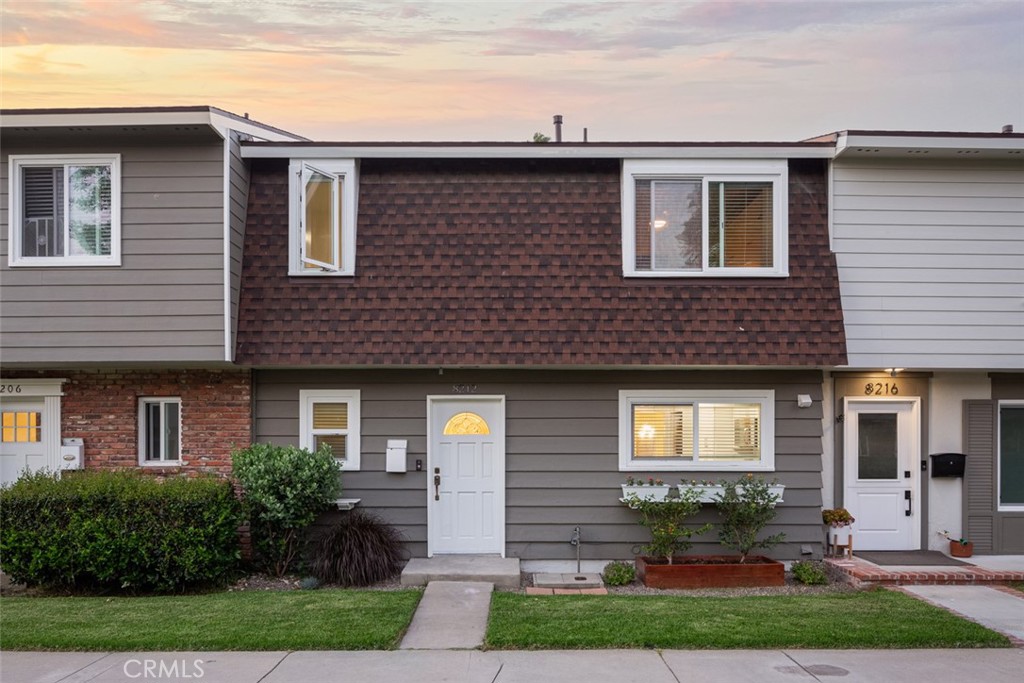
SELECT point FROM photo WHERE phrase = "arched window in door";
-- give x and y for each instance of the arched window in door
(466, 423)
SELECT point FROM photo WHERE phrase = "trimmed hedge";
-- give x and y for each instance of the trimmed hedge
(118, 530)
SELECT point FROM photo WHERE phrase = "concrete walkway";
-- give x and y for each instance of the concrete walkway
(1000, 610)
(472, 666)
(452, 615)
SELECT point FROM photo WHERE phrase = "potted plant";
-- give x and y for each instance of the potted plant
(649, 489)
(746, 507)
(839, 533)
(958, 547)
(666, 522)
(709, 491)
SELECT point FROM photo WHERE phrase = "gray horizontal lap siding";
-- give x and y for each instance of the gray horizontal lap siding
(238, 195)
(561, 450)
(166, 300)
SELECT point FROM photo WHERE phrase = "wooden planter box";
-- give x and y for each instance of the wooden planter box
(710, 571)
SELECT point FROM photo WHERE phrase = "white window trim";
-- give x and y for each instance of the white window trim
(345, 170)
(1008, 507)
(307, 397)
(143, 402)
(629, 397)
(775, 171)
(19, 161)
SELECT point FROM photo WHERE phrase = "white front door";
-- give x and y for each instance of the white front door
(882, 453)
(466, 475)
(22, 446)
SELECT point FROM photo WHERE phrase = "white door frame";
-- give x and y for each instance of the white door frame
(50, 391)
(849, 457)
(499, 464)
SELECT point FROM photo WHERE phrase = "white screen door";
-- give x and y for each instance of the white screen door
(882, 454)
(466, 475)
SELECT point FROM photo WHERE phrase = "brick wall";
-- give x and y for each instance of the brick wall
(101, 407)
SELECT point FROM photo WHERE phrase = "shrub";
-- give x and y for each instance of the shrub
(665, 520)
(619, 573)
(810, 573)
(359, 551)
(746, 506)
(118, 530)
(284, 489)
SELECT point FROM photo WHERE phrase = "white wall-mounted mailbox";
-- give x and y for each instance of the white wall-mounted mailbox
(396, 455)
(71, 454)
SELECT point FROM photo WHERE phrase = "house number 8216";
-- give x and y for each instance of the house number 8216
(881, 389)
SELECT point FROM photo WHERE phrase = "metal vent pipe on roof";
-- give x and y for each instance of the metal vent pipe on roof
(558, 127)
(1008, 128)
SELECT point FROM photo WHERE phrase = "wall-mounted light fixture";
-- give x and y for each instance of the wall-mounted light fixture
(803, 401)
(894, 371)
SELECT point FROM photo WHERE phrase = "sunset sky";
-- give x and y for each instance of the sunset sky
(481, 70)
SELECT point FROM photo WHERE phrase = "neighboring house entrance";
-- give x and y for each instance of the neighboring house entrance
(882, 472)
(30, 433)
(466, 475)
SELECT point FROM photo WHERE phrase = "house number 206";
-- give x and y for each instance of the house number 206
(881, 389)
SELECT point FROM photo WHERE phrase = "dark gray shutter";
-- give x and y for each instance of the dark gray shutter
(979, 492)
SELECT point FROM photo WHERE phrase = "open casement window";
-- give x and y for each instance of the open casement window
(696, 430)
(159, 431)
(322, 217)
(707, 218)
(331, 417)
(65, 210)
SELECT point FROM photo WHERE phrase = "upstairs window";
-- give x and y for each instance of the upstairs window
(709, 218)
(65, 210)
(322, 217)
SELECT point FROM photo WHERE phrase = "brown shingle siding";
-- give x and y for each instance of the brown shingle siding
(519, 263)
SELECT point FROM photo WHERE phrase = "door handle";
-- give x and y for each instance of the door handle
(910, 503)
(437, 483)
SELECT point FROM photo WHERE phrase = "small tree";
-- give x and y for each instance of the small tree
(541, 138)
(746, 506)
(665, 519)
(284, 489)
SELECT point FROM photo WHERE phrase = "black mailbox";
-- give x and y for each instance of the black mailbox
(948, 464)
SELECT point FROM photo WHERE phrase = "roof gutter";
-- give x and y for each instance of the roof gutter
(534, 151)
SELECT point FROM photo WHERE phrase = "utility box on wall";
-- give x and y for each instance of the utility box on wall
(396, 455)
(71, 454)
(948, 464)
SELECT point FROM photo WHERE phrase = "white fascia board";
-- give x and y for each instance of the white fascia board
(222, 122)
(847, 143)
(85, 119)
(540, 151)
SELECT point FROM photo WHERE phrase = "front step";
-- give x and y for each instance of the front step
(503, 572)
(861, 573)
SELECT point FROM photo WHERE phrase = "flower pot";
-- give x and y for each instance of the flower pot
(646, 492)
(710, 571)
(709, 493)
(958, 549)
(839, 540)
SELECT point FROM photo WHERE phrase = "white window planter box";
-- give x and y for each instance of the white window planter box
(646, 492)
(709, 493)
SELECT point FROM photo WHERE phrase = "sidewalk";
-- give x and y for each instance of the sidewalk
(470, 666)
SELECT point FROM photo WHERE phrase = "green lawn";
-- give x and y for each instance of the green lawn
(248, 620)
(875, 619)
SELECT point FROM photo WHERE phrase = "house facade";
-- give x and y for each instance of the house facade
(928, 232)
(492, 336)
(535, 323)
(120, 266)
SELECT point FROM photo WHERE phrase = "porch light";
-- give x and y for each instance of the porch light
(894, 371)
